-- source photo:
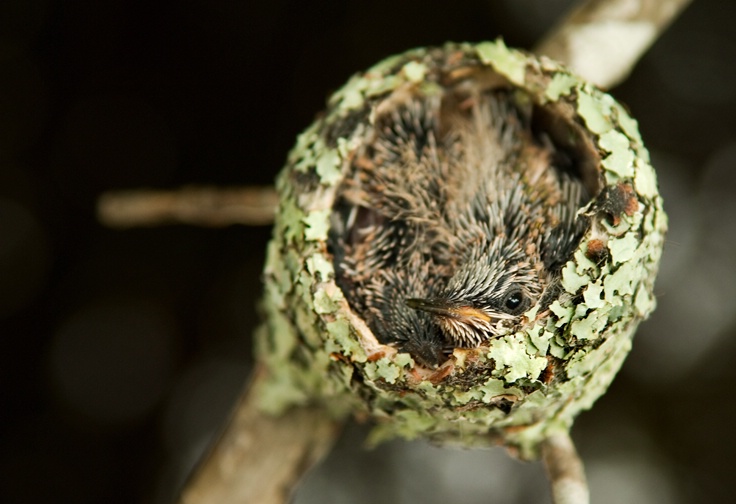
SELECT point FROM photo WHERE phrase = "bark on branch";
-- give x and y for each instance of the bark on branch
(199, 206)
(260, 458)
(602, 40)
(565, 471)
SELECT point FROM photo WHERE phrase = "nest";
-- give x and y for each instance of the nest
(516, 388)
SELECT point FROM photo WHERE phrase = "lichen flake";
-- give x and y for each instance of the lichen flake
(510, 63)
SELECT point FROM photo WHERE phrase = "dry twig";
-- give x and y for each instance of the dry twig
(260, 458)
(199, 206)
(564, 470)
(602, 40)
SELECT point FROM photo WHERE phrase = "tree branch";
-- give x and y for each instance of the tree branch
(199, 206)
(602, 40)
(261, 458)
(564, 470)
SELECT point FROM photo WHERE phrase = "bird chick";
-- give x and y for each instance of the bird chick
(387, 236)
(511, 242)
(495, 284)
(452, 223)
(410, 330)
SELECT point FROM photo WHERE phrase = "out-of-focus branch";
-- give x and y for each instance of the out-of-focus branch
(565, 471)
(261, 458)
(200, 206)
(602, 40)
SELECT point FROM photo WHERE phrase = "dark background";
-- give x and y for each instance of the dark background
(120, 351)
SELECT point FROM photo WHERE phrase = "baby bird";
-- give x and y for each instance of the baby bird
(411, 331)
(387, 236)
(510, 251)
(514, 235)
(453, 222)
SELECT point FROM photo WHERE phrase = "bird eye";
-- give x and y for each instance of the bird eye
(515, 302)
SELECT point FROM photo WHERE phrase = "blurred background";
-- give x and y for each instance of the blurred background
(121, 351)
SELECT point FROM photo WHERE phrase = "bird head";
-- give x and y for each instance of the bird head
(488, 293)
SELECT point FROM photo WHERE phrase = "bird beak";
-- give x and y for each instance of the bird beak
(442, 308)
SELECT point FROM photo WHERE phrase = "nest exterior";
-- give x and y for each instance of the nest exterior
(516, 389)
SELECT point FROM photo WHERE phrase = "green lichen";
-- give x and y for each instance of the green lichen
(387, 370)
(511, 64)
(539, 339)
(340, 331)
(595, 115)
(403, 360)
(302, 155)
(512, 360)
(318, 264)
(619, 284)
(383, 67)
(381, 86)
(318, 225)
(620, 159)
(583, 265)
(645, 180)
(593, 295)
(350, 97)
(561, 85)
(563, 313)
(493, 388)
(323, 302)
(328, 167)
(628, 124)
(590, 327)
(557, 349)
(291, 226)
(414, 71)
(644, 302)
(624, 248)
(571, 280)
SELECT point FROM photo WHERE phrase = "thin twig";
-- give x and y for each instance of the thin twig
(260, 458)
(602, 40)
(199, 206)
(565, 470)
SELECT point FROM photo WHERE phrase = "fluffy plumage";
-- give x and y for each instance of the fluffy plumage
(453, 222)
